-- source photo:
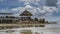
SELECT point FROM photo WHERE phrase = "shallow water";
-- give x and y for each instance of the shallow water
(18, 30)
(49, 29)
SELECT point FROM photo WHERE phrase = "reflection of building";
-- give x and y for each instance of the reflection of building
(7, 18)
(51, 2)
(26, 32)
(25, 15)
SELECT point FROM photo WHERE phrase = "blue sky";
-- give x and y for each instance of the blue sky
(37, 7)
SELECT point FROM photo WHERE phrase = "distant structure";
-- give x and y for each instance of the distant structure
(10, 21)
(26, 15)
(7, 18)
(51, 2)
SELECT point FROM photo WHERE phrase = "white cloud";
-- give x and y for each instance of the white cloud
(41, 11)
(4, 11)
(14, 9)
(45, 11)
(16, 15)
(9, 11)
(28, 6)
(58, 3)
(29, 0)
(27, 3)
(50, 9)
(18, 9)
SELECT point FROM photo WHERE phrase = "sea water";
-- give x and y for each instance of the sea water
(48, 29)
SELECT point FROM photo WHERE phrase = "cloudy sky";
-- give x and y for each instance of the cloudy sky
(37, 7)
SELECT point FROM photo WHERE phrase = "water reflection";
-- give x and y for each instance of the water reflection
(20, 31)
(31, 30)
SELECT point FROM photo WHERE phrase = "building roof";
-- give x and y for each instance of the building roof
(26, 13)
